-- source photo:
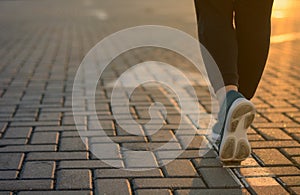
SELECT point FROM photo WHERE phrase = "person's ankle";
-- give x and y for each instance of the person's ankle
(231, 88)
(221, 93)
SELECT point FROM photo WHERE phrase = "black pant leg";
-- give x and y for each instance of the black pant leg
(253, 28)
(217, 34)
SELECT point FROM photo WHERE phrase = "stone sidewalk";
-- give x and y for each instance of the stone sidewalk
(41, 152)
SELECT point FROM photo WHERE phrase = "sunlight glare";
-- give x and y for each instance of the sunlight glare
(280, 8)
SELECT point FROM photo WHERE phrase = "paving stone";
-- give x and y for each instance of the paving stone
(81, 192)
(106, 151)
(50, 116)
(272, 157)
(119, 173)
(249, 162)
(8, 174)
(162, 136)
(44, 138)
(291, 151)
(18, 132)
(196, 153)
(112, 186)
(168, 183)
(15, 185)
(184, 154)
(274, 134)
(151, 146)
(296, 190)
(72, 144)
(207, 162)
(180, 168)
(139, 159)
(273, 144)
(210, 191)
(105, 124)
(11, 160)
(256, 171)
(153, 191)
(34, 123)
(73, 179)
(277, 117)
(191, 142)
(28, 148)
(129, 129)
(38, 170)
(68, 134)
(91, 164)
(275, 125)
(297, 159)
(269, 171)
(291, 130)
(119, 139)
(57, 156)
(291, 180)
(6, 193)
(55, 128)
(266, 185)
(255, 137)
(5, 142)
(218, 178)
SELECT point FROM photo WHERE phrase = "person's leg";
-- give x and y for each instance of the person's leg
(217, 34)
(253, 28)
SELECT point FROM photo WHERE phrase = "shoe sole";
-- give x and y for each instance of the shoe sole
(235, 146)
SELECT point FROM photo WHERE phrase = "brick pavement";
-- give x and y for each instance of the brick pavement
(42, 45)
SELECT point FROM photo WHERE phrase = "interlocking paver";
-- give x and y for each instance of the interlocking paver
(11, 160)
(153, 191)
(26, 184)
(296, 190)
(207, 162)
(18, 132)
(291, 180)
(91, 164)
(106, 150)
(28, 148)
(8, 174)
(44, 138)
(180, 168)
(269, 171)
(108, 186)
(168, 183)
(117, 173)
(219, 178)
(266, 185)
(38, 169)
(5, 142)
(57, 156)
(272, 157)
(274, 134)
(73, 179)
(209, 191)
(72, 144)
(6, 193)
(140, 159)
(69, 192)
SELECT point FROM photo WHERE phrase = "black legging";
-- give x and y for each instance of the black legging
(241, 51)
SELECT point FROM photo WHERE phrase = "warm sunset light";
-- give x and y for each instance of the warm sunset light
(280, 8)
